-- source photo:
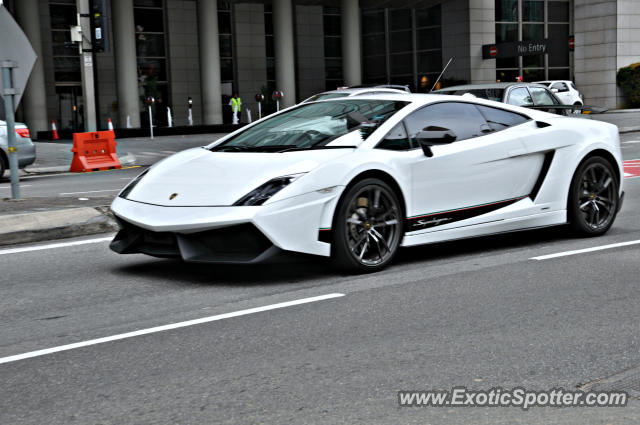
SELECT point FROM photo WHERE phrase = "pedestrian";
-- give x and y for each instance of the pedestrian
(236, 107)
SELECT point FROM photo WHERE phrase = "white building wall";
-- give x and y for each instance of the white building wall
(310, 51)
(251, 54)
(183, 58)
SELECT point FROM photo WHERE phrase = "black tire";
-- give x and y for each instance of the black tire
(367, 227)
(593, 197)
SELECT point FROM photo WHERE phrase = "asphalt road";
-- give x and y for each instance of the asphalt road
(478, 313)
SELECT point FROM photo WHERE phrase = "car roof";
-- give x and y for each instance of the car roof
(356, 90)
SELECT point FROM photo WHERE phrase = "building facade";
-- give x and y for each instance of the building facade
(205, 50)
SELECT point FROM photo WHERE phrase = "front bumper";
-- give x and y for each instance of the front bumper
(224, 234)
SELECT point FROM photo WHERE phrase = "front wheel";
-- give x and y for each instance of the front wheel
(368, 227)
(593, 198)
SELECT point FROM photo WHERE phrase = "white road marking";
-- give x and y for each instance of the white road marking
(169, 152)
(151, 154)
(166, 327)
(631, 141)
(90, 191)
(581, 251)
(22, 185)
(52, 246)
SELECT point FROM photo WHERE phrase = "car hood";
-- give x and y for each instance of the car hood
(201, 177)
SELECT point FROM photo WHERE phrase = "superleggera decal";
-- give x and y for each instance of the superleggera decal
(425, 221)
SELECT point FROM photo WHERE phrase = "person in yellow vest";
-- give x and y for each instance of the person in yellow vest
(236, 107)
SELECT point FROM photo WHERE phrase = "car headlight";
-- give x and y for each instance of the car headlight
(262, 193)
(125, 192)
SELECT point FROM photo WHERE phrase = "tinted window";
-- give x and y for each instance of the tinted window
(542, 96)
(520, 97)
(562, 87)
(499, 119)
(463, 118)
(396, 140)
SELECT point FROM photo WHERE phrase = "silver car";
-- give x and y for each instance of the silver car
(353, 91)
(26, 148)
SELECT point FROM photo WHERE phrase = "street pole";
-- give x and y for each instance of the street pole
(12, 149)
(86, 65)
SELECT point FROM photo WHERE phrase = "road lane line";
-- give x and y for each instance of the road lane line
(90, 191)
(52, 246)
(581, 251)
(22, 185)
(163, 328)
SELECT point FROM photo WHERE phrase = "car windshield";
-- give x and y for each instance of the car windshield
(325, 96)
(495, 94)
(313, 126)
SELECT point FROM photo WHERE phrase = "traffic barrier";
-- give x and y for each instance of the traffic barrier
(54, 131)
(94, 151)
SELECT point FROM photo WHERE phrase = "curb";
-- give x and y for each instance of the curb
(127, 159)
(628, 129)
(56, 224)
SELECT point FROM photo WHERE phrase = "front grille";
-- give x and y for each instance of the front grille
(238, 243)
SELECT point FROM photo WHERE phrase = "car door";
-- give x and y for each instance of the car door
(485, 169)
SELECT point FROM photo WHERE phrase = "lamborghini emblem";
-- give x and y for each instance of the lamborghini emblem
(172, 197)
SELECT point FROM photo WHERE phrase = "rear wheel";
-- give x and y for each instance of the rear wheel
(593, 198)
(367, 227)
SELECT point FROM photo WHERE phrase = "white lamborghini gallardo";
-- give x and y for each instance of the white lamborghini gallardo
(357, 178)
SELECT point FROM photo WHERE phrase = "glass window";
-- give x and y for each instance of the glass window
(67, 69)
(399, 19)
(372, 21)
(396, 140)
(542, 96)
(559, 40)
(401, 41)
(374, 44)
(558, 11)
(532, 32)
(561, 87)
(533, 11)
(333, 47)
(429, 61)
(506, 10)
(428, 17)
(374, 66)
(463, 119)
(148, 20)
(559, 73)
(520, 97)
(332, 25)
(500, 119)
(150, 45)
(62, 16)
(401, 64)
(313, 125)
(429, 38)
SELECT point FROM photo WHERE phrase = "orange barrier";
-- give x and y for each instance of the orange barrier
(94, 151)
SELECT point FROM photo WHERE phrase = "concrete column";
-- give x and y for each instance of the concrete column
(209, 62)
(351, 56)
(124, 40)
(284, 51)
(34, 99)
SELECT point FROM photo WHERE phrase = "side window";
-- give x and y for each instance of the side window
(561, 87)
(520, 97)
(499, 119)
(542, 97)
(463, 118)
(396, 139)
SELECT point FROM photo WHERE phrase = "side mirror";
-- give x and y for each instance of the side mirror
(434, 136)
